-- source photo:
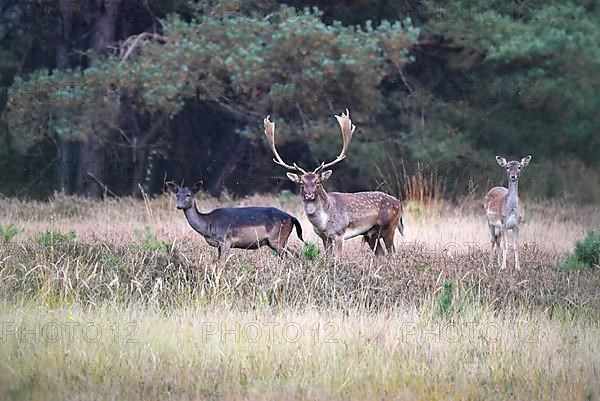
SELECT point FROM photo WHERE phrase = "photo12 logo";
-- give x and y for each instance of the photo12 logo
(68, 332)
(268, 331)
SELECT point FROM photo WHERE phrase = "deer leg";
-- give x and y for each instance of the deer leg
(495, 243)
(328, 245)
(379, 250)
(338, 247)
(277, 248)
(278, 243)
(282, 250)
(371, 241)
(516, 246)
(388, 240)
(224, 248)
(375, 244)
(504, 242)
(498, 246)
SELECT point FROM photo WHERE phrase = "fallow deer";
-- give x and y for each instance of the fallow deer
(338, 216)
(243, 227)
(503, 210)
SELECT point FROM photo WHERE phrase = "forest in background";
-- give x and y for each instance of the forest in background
(104, 97)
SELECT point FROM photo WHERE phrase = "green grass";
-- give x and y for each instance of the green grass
(586, 255)
(148, 240)
(50, 238)
(9, 231)
(310, 251)
(587, 251)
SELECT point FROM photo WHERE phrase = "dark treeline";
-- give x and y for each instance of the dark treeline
(107, 96)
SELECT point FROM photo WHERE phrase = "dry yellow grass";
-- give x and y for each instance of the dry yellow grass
(133, 353)
(434, 321)
(552, 226)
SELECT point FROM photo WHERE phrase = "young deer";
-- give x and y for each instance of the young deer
(338, 216)
(503, 210)
(243, 227)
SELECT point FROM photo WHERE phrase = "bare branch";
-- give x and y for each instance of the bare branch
(134, 41)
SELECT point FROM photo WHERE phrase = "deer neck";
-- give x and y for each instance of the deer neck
(317, 211)
(197, 220)
(512, 204)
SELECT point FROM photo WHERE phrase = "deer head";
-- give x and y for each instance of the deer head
(184, 195)
(311, 181)
(513, 168)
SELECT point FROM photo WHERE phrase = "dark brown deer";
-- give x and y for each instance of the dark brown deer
(338, 216)
(504, 211)
(242, 227)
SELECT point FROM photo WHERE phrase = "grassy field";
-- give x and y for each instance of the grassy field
(120, 299)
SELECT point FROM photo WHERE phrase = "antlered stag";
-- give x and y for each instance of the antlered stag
(338, 216)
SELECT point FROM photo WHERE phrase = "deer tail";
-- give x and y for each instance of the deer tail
(401, 226)
(298, 228)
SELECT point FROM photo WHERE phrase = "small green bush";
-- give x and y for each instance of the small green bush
(587, 253)
(112, 260)
(588, 250)
(53, 238)
(571, 263)
(445, 299)
(149, 241)
(310, 251)
(8, 232)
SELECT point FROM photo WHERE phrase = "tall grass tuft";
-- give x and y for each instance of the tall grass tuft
(9, 231)
(51, 238)
(149, 241)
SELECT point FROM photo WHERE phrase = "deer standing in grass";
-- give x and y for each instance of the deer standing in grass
(241, 227)
(338, 216)
(503, 210)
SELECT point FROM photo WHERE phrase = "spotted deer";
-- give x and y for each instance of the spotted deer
(241, 227)
(338, 216)
(504, 211)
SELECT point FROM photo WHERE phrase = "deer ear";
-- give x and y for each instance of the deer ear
(294, 177)
(525, 161)
(172, 187)
(324, 176)
(501, 161)
(197, 186)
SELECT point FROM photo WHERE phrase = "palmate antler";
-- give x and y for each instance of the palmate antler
(347, 131)
(270, 134)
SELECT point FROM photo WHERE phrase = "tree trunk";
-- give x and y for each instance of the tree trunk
(91, 168)
(106, 24)
(145, 138)
(91, 152)
(139, 165)
(65, 152)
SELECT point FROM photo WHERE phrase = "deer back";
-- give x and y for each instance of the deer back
(359, 212)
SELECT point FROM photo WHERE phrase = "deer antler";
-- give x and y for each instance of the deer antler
(270, 134)
(347, 131)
